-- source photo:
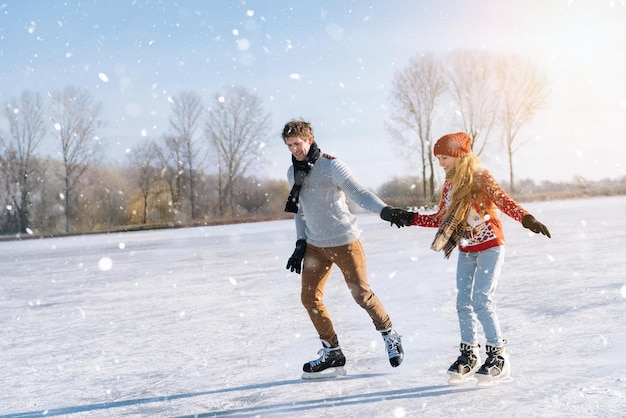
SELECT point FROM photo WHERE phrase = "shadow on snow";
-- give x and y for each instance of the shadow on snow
(304, 405)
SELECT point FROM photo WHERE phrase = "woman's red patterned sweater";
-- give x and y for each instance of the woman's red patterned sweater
(484, 228)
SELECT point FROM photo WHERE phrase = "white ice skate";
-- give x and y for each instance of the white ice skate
(463, 369)
(497, 368)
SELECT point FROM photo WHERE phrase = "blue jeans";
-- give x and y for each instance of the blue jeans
(477, 277)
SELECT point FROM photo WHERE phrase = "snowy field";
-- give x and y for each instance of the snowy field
(206, 321)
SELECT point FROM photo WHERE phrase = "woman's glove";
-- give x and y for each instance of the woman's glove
(398, 217)
(529, 222)
(295, 261)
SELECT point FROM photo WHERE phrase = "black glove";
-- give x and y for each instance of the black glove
(529, 222)
(398, 217)
(295, 261)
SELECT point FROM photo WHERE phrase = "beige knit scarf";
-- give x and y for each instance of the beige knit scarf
(452, 227)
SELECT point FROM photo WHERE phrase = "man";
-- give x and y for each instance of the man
(327, 234)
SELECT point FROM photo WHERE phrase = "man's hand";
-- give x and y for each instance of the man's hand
(295, 261)
(529, 221)
(398, 217)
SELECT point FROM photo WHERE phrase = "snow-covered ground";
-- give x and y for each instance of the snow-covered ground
(206, 321)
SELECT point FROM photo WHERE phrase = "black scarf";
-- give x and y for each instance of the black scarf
(300, 171)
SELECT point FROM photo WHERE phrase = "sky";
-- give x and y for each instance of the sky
(207, 322)
(330, 62)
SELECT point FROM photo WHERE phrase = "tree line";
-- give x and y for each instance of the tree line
(166, 181)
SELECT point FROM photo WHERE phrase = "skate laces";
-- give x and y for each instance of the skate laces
(392, 340)
(467, 354)
(495, 360)
(324, 353)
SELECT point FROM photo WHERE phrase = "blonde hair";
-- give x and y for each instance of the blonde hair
(462, 180)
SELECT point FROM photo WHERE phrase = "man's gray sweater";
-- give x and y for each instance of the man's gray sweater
(323, 217)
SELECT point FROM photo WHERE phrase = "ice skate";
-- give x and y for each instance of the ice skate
(463, 369)
(496, 369)
(393, 343)
(329, 364)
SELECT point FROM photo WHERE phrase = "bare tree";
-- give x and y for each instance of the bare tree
(261, 197)
(144, 172)
(236, 126)
(415, 93)
(171, 165)
(75, 118)
(26, 130)
(523, 90)
(101, 197)
(473, 86)
(186, 124)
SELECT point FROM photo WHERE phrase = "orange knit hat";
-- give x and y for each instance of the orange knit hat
(453, 145)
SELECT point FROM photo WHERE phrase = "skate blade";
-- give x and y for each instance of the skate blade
(329, 373)
(459, 379)
(488, 381)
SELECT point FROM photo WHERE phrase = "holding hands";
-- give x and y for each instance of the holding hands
(397, 216)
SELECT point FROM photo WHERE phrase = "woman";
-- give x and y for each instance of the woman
(467, 218)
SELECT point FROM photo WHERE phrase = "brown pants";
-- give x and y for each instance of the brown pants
(317, 266)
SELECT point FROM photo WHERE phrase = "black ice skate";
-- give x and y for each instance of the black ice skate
(496, 369)
(465, 366)
(329, 364)
(393, 343)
